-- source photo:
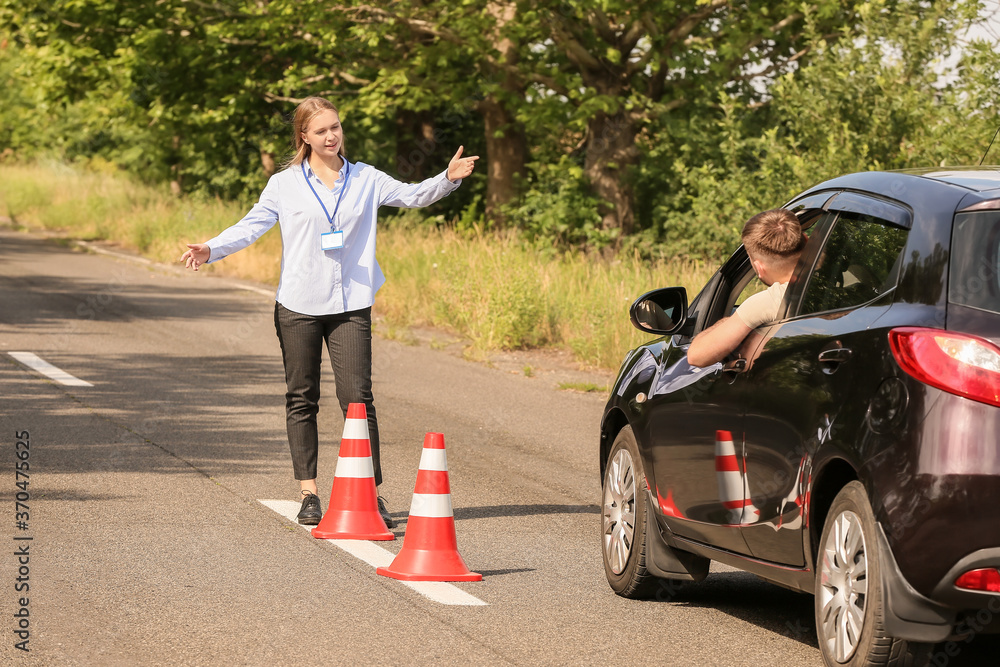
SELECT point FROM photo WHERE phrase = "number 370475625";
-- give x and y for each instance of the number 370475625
(22, 451)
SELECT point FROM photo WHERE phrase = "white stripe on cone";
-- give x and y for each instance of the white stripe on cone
(355, 429)
(434, 459)
(431, 505)
(354, 466)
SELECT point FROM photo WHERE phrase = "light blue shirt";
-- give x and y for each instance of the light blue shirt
(323, 282)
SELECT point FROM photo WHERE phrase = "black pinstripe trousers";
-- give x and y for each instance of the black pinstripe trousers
(348, 337)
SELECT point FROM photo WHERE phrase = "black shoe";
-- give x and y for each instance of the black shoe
(311, 512)
(389, 523)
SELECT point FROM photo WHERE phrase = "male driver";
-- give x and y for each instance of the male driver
(773, 240)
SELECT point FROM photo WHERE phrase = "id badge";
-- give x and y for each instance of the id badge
(332, 240)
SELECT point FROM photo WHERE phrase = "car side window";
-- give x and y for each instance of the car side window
(753, 287)
(974, 279)
(859, 263)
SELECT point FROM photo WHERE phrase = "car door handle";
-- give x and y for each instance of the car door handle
(837, 355)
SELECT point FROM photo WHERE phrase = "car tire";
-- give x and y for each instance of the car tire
(849, 596)
(623, 539)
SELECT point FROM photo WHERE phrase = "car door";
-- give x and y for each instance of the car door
(696, 416)
(695, 427)
(806, 383)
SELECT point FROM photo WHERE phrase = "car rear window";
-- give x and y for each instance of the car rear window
(974, 278)
(858, 263)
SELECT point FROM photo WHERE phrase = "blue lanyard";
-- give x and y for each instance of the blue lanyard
(343, 188)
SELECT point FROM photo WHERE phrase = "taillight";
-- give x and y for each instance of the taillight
(985, 579)
(957, 363)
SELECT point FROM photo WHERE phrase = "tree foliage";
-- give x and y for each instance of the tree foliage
(646, 123)
(876, 101)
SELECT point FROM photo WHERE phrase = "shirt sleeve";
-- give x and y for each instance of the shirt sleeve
(254, 224)
(415, 195)
(762, 308)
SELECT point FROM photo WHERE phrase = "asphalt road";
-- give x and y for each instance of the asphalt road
(150, 544)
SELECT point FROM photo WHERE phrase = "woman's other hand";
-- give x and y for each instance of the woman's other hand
(197, 254)
(460, 167)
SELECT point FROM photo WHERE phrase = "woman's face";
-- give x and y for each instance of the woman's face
(324, 134)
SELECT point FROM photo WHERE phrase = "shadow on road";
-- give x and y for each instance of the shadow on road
(774, 609)
(202, 415)
(494, 511)
(747, 597)
(493, 573)
(116, 297)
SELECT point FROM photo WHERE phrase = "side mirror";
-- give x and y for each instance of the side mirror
(662, 311)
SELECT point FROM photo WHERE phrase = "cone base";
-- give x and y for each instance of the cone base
(353, 536)
(406, 576)
(352, 525)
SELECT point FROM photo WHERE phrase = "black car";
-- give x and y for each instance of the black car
(854, 453)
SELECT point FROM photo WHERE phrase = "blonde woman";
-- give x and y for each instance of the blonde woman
(327, 206)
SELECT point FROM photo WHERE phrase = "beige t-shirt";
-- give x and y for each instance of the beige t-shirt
(762, 308)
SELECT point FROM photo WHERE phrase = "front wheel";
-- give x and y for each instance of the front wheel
(849, 593)
(624, 524)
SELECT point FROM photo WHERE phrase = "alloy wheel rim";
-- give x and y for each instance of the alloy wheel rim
(619, 511)
(843, 588)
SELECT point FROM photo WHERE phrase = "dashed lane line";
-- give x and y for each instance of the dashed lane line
(374, 555)
(34, 362)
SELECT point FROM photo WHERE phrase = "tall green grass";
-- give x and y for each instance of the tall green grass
(494, 289)
(109, 206)
(502, 293)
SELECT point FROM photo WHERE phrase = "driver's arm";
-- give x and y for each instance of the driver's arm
(716, 342)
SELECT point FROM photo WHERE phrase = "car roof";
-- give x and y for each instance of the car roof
(942, 188)
(979, 179)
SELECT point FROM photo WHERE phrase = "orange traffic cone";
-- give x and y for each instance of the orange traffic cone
(353, 510)
(430, 547)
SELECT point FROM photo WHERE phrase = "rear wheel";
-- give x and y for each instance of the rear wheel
(849, 593)
(624, 522)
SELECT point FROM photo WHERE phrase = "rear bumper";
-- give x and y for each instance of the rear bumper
(979, 611)
(952, 611)
(960, 598)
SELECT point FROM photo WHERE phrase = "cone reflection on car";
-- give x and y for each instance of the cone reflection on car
(733, 490)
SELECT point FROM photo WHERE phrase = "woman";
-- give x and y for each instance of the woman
(329, 275)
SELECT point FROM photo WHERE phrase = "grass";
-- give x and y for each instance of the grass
(495, 290)
(109, 206)
(502, 293)
(585, 387)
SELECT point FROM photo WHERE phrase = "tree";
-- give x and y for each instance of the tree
(540, 74)
(625, 66)
(598, 119)
(449, 57)
(204, 86)
(879, 100)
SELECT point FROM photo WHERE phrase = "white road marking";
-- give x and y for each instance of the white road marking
(33, 361)
(93, 247)
(376, 556)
